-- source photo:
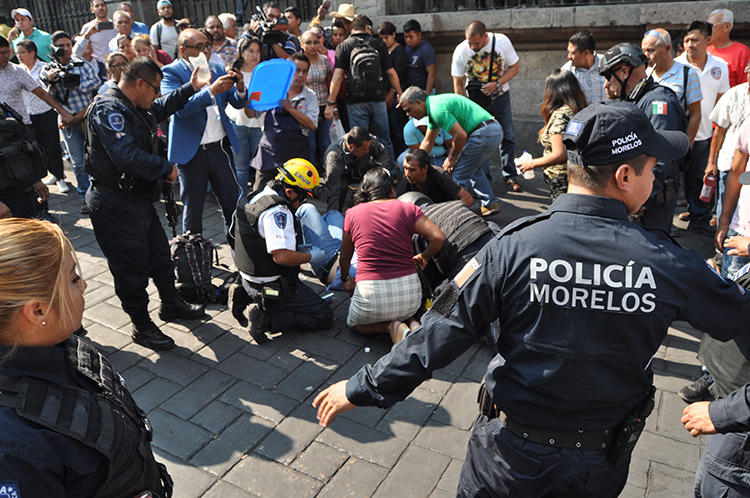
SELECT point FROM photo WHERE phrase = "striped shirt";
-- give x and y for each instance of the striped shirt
(592, 83)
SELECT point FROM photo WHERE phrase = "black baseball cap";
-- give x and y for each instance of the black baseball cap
(617, 131)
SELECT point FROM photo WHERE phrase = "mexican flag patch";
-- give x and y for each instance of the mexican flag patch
(659, 107)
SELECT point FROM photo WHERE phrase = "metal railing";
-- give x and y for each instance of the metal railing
(394, 7)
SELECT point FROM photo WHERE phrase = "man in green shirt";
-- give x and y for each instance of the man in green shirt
(25, 30)
(475, 133)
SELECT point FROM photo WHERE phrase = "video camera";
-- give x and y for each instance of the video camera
(65, 77)
(268, 35)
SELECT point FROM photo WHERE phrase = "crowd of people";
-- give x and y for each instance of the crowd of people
(404, 178)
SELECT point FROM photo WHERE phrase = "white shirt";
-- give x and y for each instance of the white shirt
(714, 80)
(731, 111)
(34, 104)
(741, 218)
(100, 39)
(238, 116)
(475, 65)
(276, 225)
(168, 38)
(307, 103)
(14, 82)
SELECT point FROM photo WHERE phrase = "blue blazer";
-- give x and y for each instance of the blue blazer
(187, 125)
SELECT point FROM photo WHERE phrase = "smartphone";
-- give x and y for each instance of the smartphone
(105, 25)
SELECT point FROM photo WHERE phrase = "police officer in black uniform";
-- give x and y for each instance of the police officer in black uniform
(123, 156)
(584, 298)
(68, 425)
(624, 67)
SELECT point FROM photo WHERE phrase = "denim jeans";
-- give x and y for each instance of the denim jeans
(73, 138)
(248, 139)
(730, 264)
(472, 166)
(373, 117)
(700, 212)
(434, 160)
(323, 232)
(721, 187)
(501, 109)
(214, 166)
(319, 139)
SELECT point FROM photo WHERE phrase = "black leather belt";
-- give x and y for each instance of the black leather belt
(211, 145)
(486, 122)
(578, 439)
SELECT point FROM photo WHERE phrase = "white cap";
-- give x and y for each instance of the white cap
(21, 11)
(424, 121)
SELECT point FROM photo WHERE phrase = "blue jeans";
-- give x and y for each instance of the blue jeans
(720, 189)
(73, 138)
(434, 160)
(214, 166)
(472, 166)
(248, 139)
(373, 117)
(319, 139)
(730, 264)
(502, 111)
(323, 232)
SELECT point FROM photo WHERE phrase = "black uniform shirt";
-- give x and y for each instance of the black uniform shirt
(584, 299)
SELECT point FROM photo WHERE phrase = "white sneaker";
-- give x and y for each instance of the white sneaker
(50, 180)
(63, 187)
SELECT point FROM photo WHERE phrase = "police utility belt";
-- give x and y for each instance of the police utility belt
(618, 441)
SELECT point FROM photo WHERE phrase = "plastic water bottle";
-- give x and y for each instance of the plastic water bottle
(525, 157)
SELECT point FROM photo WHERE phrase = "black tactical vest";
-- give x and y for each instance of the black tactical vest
(106, 419)
(250, 253)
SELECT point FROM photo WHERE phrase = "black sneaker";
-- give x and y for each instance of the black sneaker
(150, 336)
(84, 209)
(259, 323)
(697, 391)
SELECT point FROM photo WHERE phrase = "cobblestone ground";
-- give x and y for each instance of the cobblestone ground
(232, 418)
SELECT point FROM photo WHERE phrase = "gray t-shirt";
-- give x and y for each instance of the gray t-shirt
(168, 38)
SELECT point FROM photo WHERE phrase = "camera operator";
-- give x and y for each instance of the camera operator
(270, 27)
(14, 81)
(74, 84)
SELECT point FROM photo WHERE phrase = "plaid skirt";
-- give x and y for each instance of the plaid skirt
(384, 300)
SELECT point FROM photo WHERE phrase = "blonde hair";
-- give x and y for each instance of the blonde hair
(141, 38)
(31, 269)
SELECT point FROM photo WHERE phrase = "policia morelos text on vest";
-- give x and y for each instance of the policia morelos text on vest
(71, 428)
(584, 298)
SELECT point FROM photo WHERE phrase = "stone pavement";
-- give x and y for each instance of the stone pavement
(232, 418)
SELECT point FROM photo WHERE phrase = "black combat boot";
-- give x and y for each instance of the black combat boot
(260, 322)
(173, 307)
(238, 300)
(148, 335)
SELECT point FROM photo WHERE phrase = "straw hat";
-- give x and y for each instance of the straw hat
(346, 11)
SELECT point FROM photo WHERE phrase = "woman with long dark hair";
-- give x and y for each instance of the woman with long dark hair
(387, 291)
(563, 98)
(246, 122)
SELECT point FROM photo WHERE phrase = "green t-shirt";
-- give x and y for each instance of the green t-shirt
(447, 108)
(41, 39)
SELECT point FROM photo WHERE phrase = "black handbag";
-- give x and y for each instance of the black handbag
(474, 87)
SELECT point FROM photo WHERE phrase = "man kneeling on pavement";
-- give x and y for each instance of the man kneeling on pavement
(269, 252)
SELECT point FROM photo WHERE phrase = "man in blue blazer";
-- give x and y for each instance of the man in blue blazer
(200, 134)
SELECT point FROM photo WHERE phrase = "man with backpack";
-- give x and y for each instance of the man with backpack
(164, 32)
(363, 59)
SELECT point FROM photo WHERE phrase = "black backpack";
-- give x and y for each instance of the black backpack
(22, 161)
(365, 74)
(193, 258)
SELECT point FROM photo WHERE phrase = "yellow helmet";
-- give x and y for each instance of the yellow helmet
(300, 173)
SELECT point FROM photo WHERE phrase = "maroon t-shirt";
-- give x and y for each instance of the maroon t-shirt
(382, 233)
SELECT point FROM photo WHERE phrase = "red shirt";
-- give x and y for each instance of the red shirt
(382, 233)
(736, 56)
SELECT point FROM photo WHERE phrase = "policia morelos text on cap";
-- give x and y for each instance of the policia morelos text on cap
(68, 425)
(584, 298)
(127, 166)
